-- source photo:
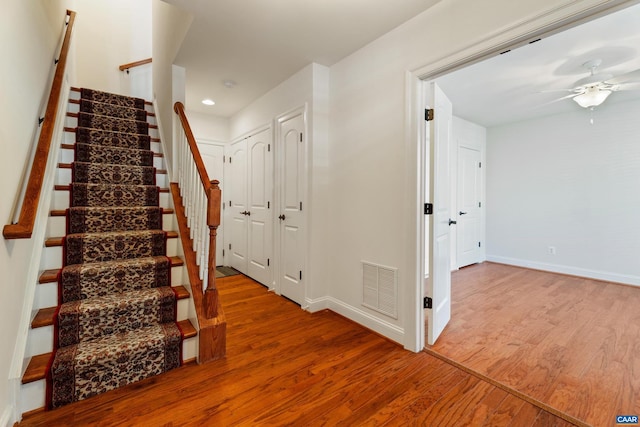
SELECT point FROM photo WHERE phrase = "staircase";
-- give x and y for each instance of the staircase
(107, 314)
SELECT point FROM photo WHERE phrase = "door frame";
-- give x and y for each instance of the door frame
(277, 187)
(555, 20)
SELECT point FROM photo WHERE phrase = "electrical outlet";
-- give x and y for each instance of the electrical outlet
(552, 250)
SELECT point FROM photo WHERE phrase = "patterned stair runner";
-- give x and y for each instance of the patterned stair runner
(116, 319)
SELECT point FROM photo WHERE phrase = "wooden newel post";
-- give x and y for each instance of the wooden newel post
(213, 221)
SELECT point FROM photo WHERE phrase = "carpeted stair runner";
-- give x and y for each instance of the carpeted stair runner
(116, 319)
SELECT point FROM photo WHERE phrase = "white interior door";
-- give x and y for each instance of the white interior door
(259, 191)
(439, 283)
(237, 199)
(469, 206)
(213, 159)
(291, 260)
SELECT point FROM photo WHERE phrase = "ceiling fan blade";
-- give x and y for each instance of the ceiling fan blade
(628, 86)
(624, 78)
(556, 90)
(558, 100)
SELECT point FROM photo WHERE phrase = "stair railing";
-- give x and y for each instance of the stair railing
(201, 200)
(29, 199)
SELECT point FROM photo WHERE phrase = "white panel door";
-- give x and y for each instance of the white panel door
(237, 199)
(291, 154)
(469, 209)
(213, 158)
(439, 284)
(259, 190)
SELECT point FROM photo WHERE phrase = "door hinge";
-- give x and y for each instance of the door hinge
(300, 206)
(223, 206)
(427, 302)
(268, 147)
(479, 204)
(479, 164)
(230, 203)
(224, 159)
(229, 246)
(229, 159)
(479, 244)
(428, 114)
(428, 208)
(300, 274)
(268, 205)
(300, 136)
(267, 262)
(223, 252)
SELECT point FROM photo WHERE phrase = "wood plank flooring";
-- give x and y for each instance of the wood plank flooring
(569, 342)
(288, 367)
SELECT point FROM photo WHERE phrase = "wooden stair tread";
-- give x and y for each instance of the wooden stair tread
(57, 241)
(70, 165)
(187, 328)
(68, 187)
(37, 368)
(45, 316)
(51, 276)
(67, 146)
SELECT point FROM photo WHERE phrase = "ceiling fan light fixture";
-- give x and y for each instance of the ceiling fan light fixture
(592, 97)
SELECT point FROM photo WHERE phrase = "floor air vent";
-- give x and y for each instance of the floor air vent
(380, 288)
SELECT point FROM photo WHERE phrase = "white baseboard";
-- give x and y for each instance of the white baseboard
(564, 269)
(5, 417)
(386, 329)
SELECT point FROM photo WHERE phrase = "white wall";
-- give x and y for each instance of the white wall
(169, 27)
(110, 33)
(561, 182)
(310, 87)
(29, 34)
(373, 168)
(208, 126)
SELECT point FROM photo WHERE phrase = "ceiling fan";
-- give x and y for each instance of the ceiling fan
(591, 91)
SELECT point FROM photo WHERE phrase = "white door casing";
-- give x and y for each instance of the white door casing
(469, 205)
(439, 283)
(213, 159)
(290, 147)
(259, 191)
(237, 199)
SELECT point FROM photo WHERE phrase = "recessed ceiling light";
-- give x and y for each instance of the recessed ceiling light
(229, 83)
(208, 102)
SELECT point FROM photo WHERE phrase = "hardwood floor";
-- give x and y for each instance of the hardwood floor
(569, 342)
(288, 367)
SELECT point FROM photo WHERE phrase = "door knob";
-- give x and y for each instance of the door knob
(245, 213)
(282, 217)
(248, 213)
(452, 221)
(462, 213)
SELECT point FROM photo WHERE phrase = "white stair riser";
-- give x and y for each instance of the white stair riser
(46, 295)
(63, 177)
(52, 257)
(40, 341)
(66, 155)
(56, 226)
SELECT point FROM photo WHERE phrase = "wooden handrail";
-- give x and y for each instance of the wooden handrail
(124, 67)
(23, 229)
(213, 194)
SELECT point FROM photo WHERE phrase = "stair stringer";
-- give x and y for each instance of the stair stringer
(20, 359)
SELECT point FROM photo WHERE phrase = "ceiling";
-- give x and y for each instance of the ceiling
(508, 88)
(258, 44)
